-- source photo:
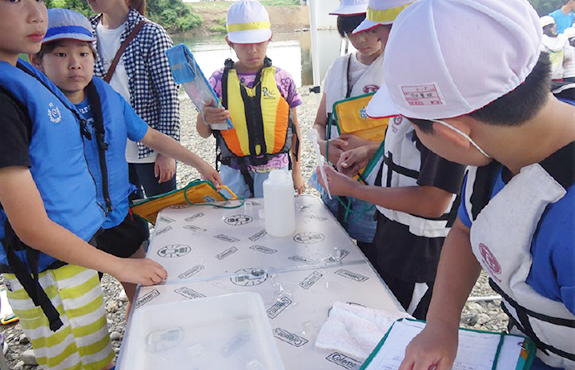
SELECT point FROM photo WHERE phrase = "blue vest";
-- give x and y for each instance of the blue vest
(112, 180)
(58, 165)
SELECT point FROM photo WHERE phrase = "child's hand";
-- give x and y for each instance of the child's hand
(352, 141)
(140, 271)
(338, 184)
(209, 173)
(298, 182)
(353, 160)
(214, 114)
(336, 148)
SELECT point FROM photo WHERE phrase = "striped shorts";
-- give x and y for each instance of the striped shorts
(83, 342)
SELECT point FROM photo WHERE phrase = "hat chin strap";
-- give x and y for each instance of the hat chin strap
(462, 134)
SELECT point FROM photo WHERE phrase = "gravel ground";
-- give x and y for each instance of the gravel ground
(478, 315)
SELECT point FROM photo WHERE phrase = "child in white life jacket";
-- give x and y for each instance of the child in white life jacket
(261, 100)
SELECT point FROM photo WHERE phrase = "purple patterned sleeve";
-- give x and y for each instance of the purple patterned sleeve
(287, 87)
(216, 81)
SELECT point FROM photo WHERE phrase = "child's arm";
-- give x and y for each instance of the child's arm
(426, 201)
(211, 115)
(171, 148)
(298, 181)
(336, 146)
(436, 345)
(24, 207)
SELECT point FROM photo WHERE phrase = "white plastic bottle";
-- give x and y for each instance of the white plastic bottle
(279, 204)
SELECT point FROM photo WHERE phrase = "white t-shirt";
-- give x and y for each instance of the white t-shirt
(570, 65)
(356, 70)
(108, 45)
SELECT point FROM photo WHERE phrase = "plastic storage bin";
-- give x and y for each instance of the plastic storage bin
(229, 332)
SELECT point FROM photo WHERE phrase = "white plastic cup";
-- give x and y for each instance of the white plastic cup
(279, 204)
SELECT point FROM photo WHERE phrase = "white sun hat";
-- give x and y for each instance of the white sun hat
(351, 7)
(447, 58)
(248, 22)
(67, 24)
(546, 21)
(569, 32)
(382, 12)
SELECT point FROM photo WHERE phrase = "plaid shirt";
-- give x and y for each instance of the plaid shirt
(153, 92)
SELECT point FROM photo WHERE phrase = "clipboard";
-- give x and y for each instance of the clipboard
(490, 350)
(188, 73)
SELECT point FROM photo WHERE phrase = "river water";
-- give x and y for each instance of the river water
(290, 51)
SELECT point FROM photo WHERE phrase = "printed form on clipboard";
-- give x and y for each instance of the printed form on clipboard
(187, 72)
(478, 350)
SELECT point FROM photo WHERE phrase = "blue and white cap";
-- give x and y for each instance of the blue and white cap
(67, 24)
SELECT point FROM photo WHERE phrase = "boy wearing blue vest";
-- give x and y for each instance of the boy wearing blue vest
(67, 59)
(490, 107)
(48, 209)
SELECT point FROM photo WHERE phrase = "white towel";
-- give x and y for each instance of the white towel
(355, 330)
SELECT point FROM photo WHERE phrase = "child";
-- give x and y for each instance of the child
(260, 100)
(49, 211)
(491, 107)
(569, 66)
(415, 192)
(67, 59)
(350, 75)
(557, 46)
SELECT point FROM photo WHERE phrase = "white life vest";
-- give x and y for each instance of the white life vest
(371, 80)
(400, 167)
(503, 247)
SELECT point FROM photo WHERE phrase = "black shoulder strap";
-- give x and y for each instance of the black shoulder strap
(229, 64)
(348, 77)
(96, 105)
(561, 165)
(485, 177)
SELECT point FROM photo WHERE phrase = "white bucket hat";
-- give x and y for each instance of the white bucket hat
(67, 24)
(382, 12)
(248, 22)
(448, 58)
(351, 7)
(546, 21)
(569, 32)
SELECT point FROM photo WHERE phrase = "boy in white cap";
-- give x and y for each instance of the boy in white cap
(350, 75)
(414, 190)
(490, 106)
(67, 58)
(557, 46)
(569, 66)
(261, 100)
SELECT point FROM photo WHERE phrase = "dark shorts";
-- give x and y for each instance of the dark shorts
(125, 239)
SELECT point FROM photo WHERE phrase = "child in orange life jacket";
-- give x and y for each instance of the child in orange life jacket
(260, 99)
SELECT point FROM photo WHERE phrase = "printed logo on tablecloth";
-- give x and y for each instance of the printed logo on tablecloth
(253, 203)
(261, 248)
(238, 220)
(344, 361)
(260, 234)
(166, 219)
(145, 299)
(228, 252)
(195, 216)
(249, 277)
(289, 338)
(189, 293)
(315, 218)
(309, 281)
(163, 231)
(195, 229)
(307, 261)
(174, 251)
(191, 272)
(340, 255)
(279, 307)
(226, 238)
(351, 275)
(308, 238)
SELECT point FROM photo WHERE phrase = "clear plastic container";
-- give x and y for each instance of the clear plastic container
(279, 204)
(229, 332)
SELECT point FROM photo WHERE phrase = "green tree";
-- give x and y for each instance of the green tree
(545, 7)
(173, 15)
